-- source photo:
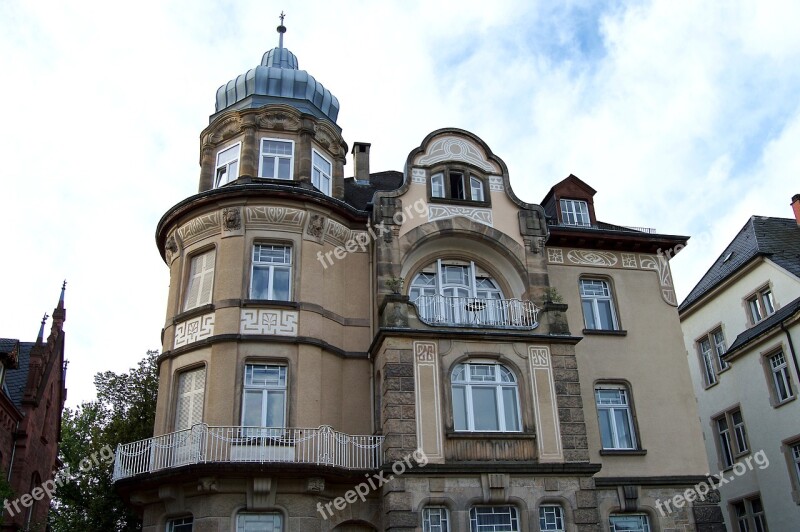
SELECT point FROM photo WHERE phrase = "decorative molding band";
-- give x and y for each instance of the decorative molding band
(452, 148)
(268, 321)
(194, 330)
(199, 228)
(336, 233)
(661, 266)
(496, 183)
(418, 176)
(592, 258)
(261, 216)
(441, 212)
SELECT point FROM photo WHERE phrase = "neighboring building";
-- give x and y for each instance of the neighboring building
(32, 384)
(741, 325)
(326, 334)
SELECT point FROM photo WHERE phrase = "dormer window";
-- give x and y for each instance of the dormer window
(321, 173)
(457, 185)
(575, 212)
(276, 159)
(227, 165)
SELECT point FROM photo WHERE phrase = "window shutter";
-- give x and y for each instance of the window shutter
(201, 280)
(191, 392)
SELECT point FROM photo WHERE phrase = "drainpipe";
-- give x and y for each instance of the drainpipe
(791, 348)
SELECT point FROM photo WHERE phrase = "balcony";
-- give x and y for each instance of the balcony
(477, 312)
(202, 444)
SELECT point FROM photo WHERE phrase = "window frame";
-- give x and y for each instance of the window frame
(190, 279)
(712, 362)
(171, 523)
(760, 304)
(513, 512)
(470, 177)
(265, 389)
(735, 434)
(314, 167)
(218, 166)
(179, 374)
(593, 300)
(271, 267)
(444, 519)
(631, 417)
(497, 384)
(566, 212)
(643, 516)
(276, 164)
(560, 516)
(791, 451)
(751, 516)
(273, 514)
(777, 374)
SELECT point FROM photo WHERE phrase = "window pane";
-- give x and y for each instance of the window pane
(437, 186)
(459, 408)
(484, 408)
(510, 407)
(623, 426)
(605, 316)
(494, 519)
(476, 188)
(268, 167)
(769, 303)
(281, 279)
(275, 409)
(457, 185)
(551, 518)
(271, 522)
(252, 409)
(284, 168)
(629, 523)
(606, 435)
(260, 285)
(435, 520)
(588, 314)
(182, 524)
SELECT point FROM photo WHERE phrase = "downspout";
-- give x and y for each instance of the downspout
(791, 348)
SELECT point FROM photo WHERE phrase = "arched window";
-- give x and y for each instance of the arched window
(485, 398)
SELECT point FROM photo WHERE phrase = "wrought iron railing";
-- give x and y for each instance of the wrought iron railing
(321, 446)
(477, 312)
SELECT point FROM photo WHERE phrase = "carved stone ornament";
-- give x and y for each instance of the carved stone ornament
(315, 225)
(232, 219)
(315, 485)
(278, 120)
(171, 245)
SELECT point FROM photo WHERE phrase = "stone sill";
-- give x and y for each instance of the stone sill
(604, 332)
(463, 435)
(192, 313)
(623, 452)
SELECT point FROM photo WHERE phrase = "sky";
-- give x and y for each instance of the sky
(684, 116)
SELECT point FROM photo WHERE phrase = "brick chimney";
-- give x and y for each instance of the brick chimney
(361, 161)
(796, 207)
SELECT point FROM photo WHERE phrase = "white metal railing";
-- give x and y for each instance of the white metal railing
(203, 444)
(474, 311)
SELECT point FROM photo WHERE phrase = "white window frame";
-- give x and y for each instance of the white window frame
(276, 158)
(513, 525)
(623, 404)
(227, 166)
(476, 189)
(173, 524)
(435, 519)
(644, 522)
(241, 521)
(711, 347)
(781, 377)
(469, 383)
(191, 396)
(266, 390)
(593, 299)
(760, 304)
(270, 268)
(200, 285)
(437, 185)
(551, 518)
(575, 212)
(317, 173)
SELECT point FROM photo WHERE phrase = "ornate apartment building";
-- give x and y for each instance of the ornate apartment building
(415, 350)
(741, 325)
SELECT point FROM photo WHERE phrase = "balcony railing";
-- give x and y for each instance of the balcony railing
(202, 444)
(477, 312)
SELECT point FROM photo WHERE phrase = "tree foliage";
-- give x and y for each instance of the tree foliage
(124, 411)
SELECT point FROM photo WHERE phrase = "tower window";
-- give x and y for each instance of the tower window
(227, 165)
(272, 272)
(321, 173)
(457, 185)
(276, 159)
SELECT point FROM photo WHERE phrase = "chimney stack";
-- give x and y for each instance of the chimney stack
(796, 207)
(361, 161)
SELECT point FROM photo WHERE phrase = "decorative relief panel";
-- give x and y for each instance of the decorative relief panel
(629, 260)
(496, 183)
(428, 405)
(199, 228)
(456, 149)
(661, 266)
(227, 128)
(592, 258)
(266, 216)
(193, 330)
(337, 232)
(548, 428)
(418, 176)
(440, 212)
(555, 255)
(278, 120)
(269, 321)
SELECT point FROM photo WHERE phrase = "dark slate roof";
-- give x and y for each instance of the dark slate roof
(359, 195)
(765, 325)
(761, 236)
(17, 378)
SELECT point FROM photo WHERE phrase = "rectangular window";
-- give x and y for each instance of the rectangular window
(321, 173)
(190, 397)
(598, 305)
(629, 523)
(272, 272)
(551, 518)
(796, 462)
(201, 280)
(709, 372)
(276, 159)
(781, 381)
(711, 348)
(435, 519)
(227, 165)
(476, 188)
(748, 515)
(731, 436)
(437, 185)
(267, 522)
(181, 524)
(457, 190)
(264, 401)
(493, 519)
(575, 212)
(615, 417)
(761, 304)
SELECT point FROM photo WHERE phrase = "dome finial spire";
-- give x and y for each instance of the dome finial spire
(281, 30)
